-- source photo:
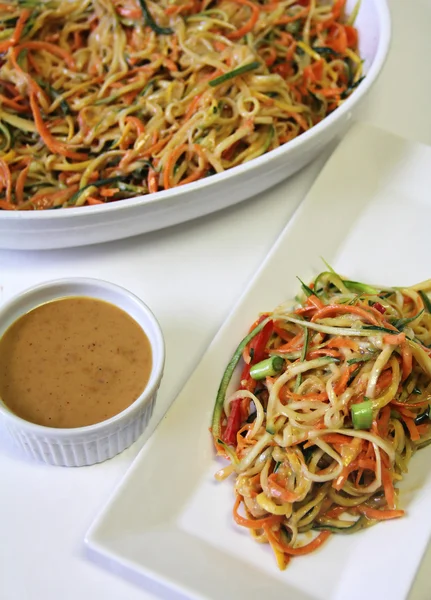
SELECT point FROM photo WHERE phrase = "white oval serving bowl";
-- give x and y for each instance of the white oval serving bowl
(88, 445)
(31, 230)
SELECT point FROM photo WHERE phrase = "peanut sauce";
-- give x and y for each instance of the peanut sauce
(73, 362)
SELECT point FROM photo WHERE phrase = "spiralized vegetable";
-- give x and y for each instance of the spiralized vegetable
(108, 99)
(319, 445)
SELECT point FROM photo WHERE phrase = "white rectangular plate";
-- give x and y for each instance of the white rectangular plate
(368, 214)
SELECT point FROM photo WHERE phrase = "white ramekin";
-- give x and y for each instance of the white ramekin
(94, 443)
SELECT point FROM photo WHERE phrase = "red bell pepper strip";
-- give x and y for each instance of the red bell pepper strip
(258, 345)
(379, 307)
(233, 423)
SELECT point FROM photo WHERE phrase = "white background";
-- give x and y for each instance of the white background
(191, 276)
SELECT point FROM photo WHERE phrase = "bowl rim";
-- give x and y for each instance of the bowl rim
(158, 350)
(384, 24)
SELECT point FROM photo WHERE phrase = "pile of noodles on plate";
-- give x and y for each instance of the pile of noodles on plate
(332, 403)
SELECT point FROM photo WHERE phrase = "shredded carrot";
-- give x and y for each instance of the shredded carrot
(338, 483)
(176, 10)
(12, 103)
(423, 429)
(239, 33)
(298, 15)
(408, 405)
(380, 515)
(156, 147)
(337, 38)
(395, 339)
(229, 153)
(314, 72)
(336, 438)
(20, 182)
(77, 40)
(329, 92)
(315, 302)
(407, 357)
(278, 491)
(271, 6)
(411, 426)
(341, 384)
(60, 196)
(338, 8)
(108, 192)
(384, 380)
(305, 310)
(172, 160)
(270, 55)
(55, 146)
(52, 48)
(193, 106)
(15, 37)
(334, 512)
(293, 344)
(253, 523)
(383, 421)
(6, 180)
(342, 342)
(137, 123)
(219, 46)
(300, 550)
(283, 333)
(352, 36)
(4, 205)
(169, 63)
(301, 121)
(323, 352)
(367, 464)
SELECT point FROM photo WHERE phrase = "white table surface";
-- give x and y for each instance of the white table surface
(191, 275)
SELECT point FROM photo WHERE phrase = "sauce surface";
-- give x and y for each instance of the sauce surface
(72, 362)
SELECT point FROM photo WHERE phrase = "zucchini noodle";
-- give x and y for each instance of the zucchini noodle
(102, 100)
(332, 403)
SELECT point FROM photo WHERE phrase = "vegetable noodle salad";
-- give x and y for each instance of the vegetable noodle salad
(333, 402)
(108, 99)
